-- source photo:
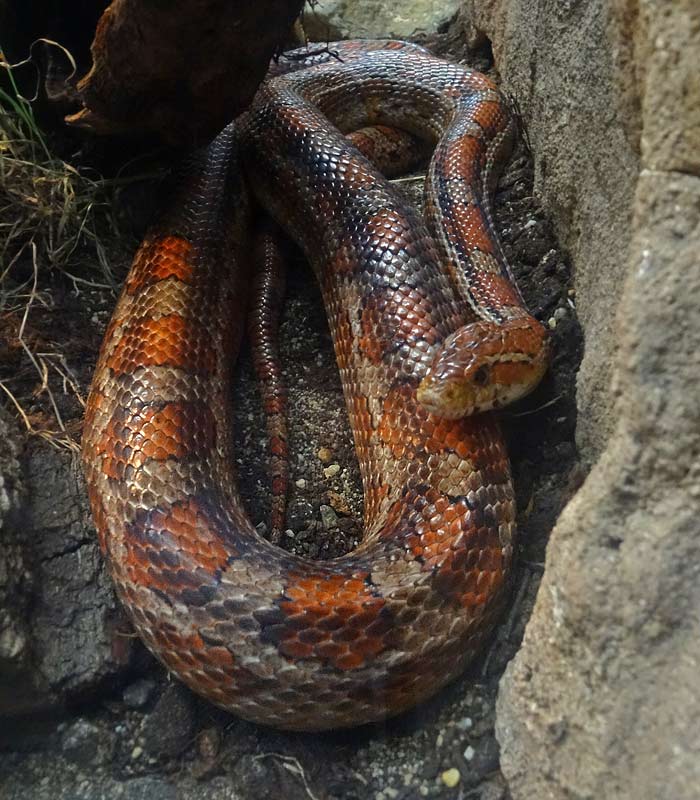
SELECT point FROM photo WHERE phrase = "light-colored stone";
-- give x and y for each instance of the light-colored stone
(325, 455)
(603, 700)
(332, 470)
(450, 777)
(328, 517)
(343, 19)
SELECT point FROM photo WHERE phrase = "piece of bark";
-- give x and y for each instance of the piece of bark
(180, 71)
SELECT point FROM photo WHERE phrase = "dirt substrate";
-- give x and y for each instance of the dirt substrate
(129, 731)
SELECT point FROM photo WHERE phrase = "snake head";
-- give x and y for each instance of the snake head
(485, 365)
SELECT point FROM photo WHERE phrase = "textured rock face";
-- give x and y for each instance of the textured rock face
(333, 19)
(603, 700)
(59, 633)
(14, 577)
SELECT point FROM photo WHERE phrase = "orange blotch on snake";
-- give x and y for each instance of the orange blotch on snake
(462, 551)
(342, 334)
(173, 550)
(327, 603)
(409, 430)
(489, 116)
(169, 340)
(158, 258)
(197, 535)
(189, 651)
(134, 437)
(371, 348)
(462, 156)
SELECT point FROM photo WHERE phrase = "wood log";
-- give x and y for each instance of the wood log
(180, 71)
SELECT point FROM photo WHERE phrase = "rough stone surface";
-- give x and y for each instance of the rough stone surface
(15, 578)
(75, 621)
(606, 686)
(169, 729)
(81, 743)
(338, 19)
(603, 698)
(59, 622)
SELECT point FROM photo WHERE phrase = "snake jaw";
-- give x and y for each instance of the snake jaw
(483, 366)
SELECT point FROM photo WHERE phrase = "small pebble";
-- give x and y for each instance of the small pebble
(324, 455)
(137, 752)
(209, 743)
(450, 777)
(560, 313)
(339, 502)
(552, 323)
(465, 723)
(332, 471)
(169, 728)
(80, 742)
(469, 753)
(137, 694)
(328, 517)
(301, 483)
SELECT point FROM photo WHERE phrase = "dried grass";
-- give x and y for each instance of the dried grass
(52, 217)
(45, 201)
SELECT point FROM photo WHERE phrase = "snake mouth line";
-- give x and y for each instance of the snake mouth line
(496, 382)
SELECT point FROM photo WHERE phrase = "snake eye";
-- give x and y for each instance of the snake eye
(481, 376)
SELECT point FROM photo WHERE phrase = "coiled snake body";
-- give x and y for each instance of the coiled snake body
(426, 326)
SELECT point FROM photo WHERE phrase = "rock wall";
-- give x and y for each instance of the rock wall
(14, 575)
(337, 19)
(60, 637)
(603, 700)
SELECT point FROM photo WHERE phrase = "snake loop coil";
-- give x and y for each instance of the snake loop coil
(427, 326)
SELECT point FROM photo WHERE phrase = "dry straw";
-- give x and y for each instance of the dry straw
(53, 217)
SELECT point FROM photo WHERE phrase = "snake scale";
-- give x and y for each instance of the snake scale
(428, 329)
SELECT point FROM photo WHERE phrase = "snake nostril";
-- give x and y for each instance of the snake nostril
(481, 376)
